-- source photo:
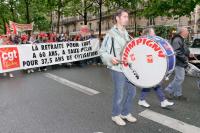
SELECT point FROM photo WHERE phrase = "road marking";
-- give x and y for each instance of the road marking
(71, 84)
(169, 122)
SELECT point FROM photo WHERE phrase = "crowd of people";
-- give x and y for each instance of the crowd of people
(43, 37)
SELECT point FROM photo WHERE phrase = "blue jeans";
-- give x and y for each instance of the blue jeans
(124, 92)
(175, 87)
(157, 89)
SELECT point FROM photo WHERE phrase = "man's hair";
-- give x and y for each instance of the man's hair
(181, 29)
(119, 13)
(147, 31)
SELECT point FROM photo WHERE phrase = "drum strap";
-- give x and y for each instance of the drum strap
(112, 47)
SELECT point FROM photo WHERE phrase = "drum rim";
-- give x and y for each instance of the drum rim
(173, 54)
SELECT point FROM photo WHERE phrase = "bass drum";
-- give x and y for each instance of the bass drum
(147, 60)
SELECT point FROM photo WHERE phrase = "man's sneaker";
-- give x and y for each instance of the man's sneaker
(166, 103)
(28, 71)
(32, 70)
(143, 103)
(118, 120)
(129, 118)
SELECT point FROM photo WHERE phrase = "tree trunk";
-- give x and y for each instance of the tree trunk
(59, 14)
(100, 17)
(51, 21)
(4, 23)
(85, 12)
(85, 17)
(58, 23)
(27, 11)
(12, 11)
(27, 15)
(135, 23)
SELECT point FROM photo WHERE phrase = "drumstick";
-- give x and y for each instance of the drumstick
(130, 66)
(123, 62)
(134, 71)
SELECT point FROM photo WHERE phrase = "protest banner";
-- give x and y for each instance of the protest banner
(19, 57)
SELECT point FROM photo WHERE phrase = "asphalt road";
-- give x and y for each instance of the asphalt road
(35, 103)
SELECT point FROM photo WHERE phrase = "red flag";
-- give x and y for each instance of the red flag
(14, 29)
(7, 30)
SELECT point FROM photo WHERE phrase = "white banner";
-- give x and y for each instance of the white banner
(18, 57)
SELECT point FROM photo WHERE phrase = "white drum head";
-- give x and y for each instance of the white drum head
(146, 69)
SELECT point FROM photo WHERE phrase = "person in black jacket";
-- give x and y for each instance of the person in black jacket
(174, 89)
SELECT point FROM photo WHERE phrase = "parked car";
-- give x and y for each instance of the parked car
(195, 49)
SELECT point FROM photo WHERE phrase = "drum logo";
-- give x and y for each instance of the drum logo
(149, 58)
(9, 58)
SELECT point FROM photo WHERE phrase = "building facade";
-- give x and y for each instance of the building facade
(195, 20)
(73, 24)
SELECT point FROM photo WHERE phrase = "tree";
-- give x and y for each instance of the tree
(81, 8)
(27, 4)
(5, 15)
(135, 7)
(169, 8)
(51, 4)
(12, 6)
(37, 12)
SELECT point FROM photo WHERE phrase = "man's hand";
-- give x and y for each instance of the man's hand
(115, 61)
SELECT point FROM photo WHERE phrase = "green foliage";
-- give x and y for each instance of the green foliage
(41, 23)
(40, 11)
(154, 8)
(164, 31)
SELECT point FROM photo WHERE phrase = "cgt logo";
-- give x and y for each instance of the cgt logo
(9, 58)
